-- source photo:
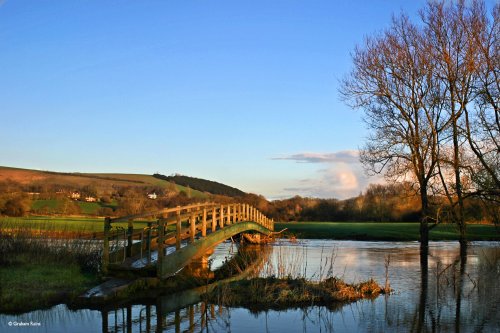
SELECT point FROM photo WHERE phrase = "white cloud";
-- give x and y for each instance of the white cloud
(342, 178)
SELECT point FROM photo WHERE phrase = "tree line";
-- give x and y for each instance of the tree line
(202, 185)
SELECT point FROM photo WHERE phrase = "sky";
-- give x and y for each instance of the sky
(240, 92)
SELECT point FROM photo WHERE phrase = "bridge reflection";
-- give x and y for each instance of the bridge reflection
(187, 311)
(151, 318)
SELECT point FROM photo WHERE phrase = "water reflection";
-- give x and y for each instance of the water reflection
(447, 290)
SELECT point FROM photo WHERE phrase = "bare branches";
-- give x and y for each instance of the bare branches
(430, 95)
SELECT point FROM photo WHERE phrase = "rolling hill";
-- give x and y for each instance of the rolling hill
(102, 180)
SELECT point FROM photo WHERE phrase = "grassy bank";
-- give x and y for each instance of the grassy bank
(40, 272)
(27, 286)
(383, 231)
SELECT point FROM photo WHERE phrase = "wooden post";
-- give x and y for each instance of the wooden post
(104, 315)
(191, 318)
(228, 214)
(148, 239)
(178, 227)
(161, 245)
(105, 250)
(221, 216)
(214, 219)
(192, 227)
(204, 223)
(177, 322)
(130, 232)
(235, 213)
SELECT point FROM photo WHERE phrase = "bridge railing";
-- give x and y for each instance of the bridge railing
(171, 226)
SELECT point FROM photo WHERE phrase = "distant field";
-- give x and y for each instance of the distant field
(79, 224)
(51, 206)
(382, 231)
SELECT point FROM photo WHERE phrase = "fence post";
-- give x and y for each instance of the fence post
(148, 241)
(204, 223)
(192, 227)
(105, 250)
(221, 216)
(161, 245)
(130, 232)
(178, 229)
(214, 219)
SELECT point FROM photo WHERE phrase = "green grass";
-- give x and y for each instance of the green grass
(89, 208)
(383, 231)
(38, 272)
(81, 224)
(33, 285)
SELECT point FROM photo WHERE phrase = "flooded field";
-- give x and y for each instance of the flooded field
(455, 293)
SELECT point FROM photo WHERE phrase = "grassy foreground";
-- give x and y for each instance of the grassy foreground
(27, 286)
(38, 272)
(383, 231)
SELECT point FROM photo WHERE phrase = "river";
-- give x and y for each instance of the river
(455, 294)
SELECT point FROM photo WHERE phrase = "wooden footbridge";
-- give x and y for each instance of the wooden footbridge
(172, 237)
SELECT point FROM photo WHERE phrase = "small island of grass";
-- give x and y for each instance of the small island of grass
(276, 293)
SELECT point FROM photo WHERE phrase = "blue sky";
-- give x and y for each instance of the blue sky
(240, 92)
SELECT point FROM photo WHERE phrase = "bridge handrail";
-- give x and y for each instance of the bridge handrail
(160, 212)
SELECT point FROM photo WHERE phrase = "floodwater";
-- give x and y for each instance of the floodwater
(456, 293)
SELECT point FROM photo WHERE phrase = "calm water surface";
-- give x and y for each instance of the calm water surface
(454, 295)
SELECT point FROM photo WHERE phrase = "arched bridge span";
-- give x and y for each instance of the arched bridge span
(165, 241)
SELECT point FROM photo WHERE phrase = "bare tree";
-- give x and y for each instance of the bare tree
(483, 122)
(465, 49)
(393, 82)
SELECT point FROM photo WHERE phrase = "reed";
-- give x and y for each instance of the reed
(283, 283)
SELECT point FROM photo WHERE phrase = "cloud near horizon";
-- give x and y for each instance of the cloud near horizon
(342, 178)
(344, 156)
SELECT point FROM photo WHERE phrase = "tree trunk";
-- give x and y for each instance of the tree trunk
(424, 223)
